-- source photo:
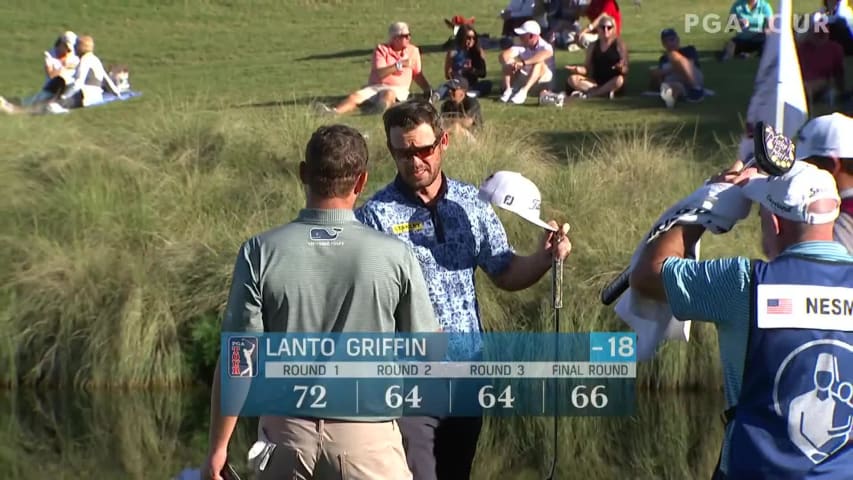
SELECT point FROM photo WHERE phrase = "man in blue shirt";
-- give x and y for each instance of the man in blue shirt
(785, 348)
(679, 73)
(752, 18)
(452, 232)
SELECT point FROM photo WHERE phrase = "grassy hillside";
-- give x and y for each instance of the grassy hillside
(123, 220)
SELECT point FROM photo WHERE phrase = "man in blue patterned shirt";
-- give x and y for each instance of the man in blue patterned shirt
(786, 351)
(452, 232)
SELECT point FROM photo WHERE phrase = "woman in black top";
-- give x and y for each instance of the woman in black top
(606, 65)
(466, 60)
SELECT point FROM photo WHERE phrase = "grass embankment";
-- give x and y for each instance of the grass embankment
(118, 260)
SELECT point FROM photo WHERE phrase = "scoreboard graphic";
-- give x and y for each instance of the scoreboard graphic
(358, 375)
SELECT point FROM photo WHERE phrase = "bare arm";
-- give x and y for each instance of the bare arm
(448, 65)
(646, 276)
(523, 272)
(422, 82)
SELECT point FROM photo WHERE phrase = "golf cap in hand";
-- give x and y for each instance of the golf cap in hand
(826, 136)
(511, 191)
(789, 196)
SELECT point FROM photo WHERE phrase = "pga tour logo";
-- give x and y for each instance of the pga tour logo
(243, 357)
(713, 23)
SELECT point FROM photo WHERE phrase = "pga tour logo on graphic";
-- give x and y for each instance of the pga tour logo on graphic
(818, 406)
(324, 234)
(243, 357)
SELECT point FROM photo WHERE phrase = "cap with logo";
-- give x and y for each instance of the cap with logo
(515, 193)
(790, 195)
(457, 83)
(826, 136)
(530, 26)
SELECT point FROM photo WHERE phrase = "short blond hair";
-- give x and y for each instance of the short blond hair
(85, 44)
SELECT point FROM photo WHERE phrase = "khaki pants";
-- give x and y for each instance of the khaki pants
(333, 450)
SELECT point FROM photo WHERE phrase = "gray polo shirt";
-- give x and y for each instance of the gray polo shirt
(326, 272)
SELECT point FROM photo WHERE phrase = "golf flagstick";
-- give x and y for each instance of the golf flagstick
(557, 297)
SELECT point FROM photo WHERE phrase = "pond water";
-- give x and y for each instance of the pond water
(154, 435)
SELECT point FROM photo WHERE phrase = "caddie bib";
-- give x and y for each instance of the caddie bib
(794, 417)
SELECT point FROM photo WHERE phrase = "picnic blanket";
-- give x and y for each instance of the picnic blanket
(109, 98)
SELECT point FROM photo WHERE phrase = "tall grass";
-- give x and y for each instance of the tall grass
(118, 254)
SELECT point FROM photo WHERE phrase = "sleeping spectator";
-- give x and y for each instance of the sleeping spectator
(821, 62)
(840, 18)
(461, 113)
(528, 68)
(395, 65)
(606, 65)
(467, 60)
(679, 73)
(753, 18)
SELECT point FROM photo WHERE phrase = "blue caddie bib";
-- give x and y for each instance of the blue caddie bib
(794, 417)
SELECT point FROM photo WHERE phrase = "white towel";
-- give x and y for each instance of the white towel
(717, 207)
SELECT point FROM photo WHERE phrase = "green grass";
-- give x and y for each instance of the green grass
(120, 223)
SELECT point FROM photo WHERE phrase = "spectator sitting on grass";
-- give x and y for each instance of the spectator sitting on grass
(90, 78)
(461, 113)
(529, 67)
(395, 65)
(515, 14)
(596, 11)
(466, 60)
(821, 61)
(606, 65)
(679, 72)
(61, 60)
(753, 17)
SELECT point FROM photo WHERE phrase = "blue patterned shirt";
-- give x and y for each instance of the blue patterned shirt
(451, 238)
(718, 291)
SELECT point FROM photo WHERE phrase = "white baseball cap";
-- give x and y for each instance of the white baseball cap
(512, 191)
(790, 195)
(826, 136)
(530, 26)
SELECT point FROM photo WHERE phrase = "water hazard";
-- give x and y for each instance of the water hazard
(156, 435)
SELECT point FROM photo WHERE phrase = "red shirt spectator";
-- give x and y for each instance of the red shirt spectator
(610, 7)
(821, 60)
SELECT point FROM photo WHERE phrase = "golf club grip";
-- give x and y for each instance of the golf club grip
(616, 287)
(558, 283)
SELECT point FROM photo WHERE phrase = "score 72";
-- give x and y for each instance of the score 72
(318, 392)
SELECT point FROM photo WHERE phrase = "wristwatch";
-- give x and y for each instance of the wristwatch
(399, 65)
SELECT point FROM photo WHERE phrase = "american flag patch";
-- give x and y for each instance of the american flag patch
(779, 306)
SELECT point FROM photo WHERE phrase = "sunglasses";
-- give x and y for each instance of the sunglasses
(404, 35)
(417, 151)
(606, 27)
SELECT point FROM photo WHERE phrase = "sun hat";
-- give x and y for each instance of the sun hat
(515, 193)
(790, 195)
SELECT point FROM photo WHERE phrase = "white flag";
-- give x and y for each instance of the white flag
(778, 97)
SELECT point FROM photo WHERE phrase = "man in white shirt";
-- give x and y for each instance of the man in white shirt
(527, 67)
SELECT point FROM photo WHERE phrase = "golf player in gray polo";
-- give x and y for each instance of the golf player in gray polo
(324, 272)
